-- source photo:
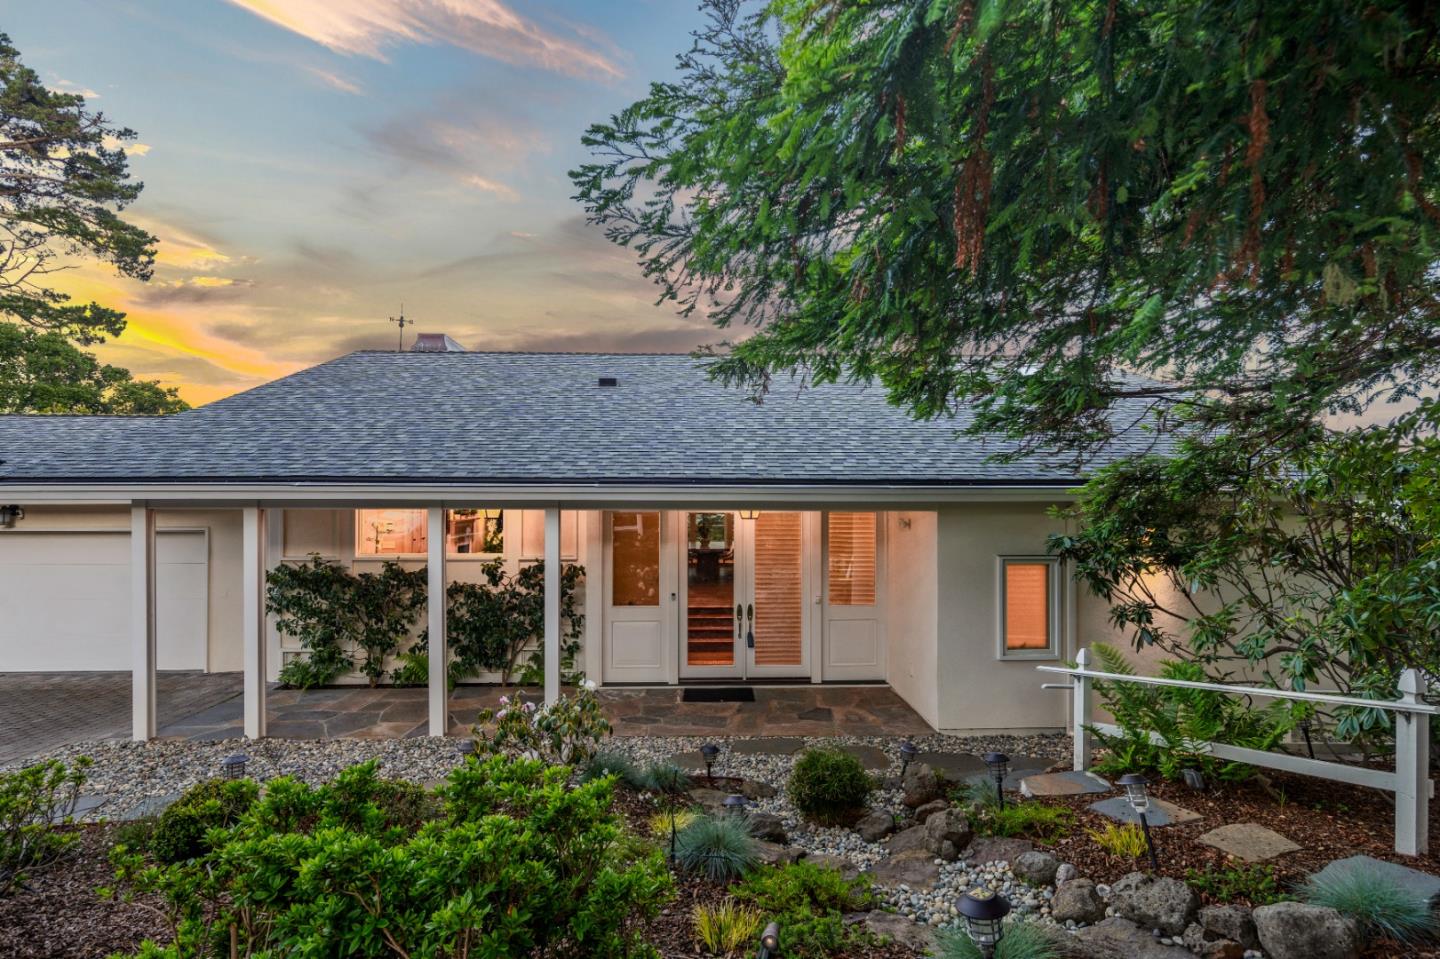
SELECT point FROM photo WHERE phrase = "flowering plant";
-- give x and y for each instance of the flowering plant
(565, 732)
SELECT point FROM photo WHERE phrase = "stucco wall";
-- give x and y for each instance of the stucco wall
(912, 605)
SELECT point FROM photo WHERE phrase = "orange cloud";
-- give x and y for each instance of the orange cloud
(486, 27)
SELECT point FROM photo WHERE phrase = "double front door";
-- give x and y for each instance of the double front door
(743, 587)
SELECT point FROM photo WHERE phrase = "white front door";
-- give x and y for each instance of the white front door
(854, 646)
(743, 585)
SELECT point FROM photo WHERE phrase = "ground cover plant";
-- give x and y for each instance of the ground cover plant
(1256, 883)
(1030, 819)
(507, 861)
(829, 786)
(809, 902)
(33, 800)
(1126, 841)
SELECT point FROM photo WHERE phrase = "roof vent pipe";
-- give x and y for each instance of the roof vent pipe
(609, 381)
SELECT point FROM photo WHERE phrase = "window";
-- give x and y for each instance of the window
(402, 532)
(1029, 591)
(388, 532)
(851, 568)
(469, 531)
(635, 555)
(532, 534)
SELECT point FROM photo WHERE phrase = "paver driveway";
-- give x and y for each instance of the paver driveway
(39, 711)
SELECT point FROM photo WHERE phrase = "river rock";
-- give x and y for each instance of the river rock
(920, 784)
(1229, 922)
(1035, 867)
(1155, 903)
(775, 854)
(899, 929)
(924, 812)
(1117, 938)
(947, 832)
(767, 826)
(1077, 900)
(1298, 930)
(915, 869)
(1200, 942)
(995, 849)
(876, 826)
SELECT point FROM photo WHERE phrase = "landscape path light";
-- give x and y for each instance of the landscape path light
(984, 912)
(1138, 796)
(769, 941)
(734, 804)
(709, 752)
(908, 752)
(234, 766)
(999, 764)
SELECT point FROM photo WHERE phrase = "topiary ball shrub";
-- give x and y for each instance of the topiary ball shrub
(215, 803)
(830, 787)
(719, 849)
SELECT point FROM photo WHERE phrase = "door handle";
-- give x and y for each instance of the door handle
(750, 620)
(750, 612)
(739, 620)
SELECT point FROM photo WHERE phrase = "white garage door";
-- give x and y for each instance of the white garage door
(66, 600)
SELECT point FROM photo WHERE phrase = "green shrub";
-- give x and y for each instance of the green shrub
(512, 862)
(829, 786)
(35, 800)
(333, 612)
(809, 902)
(565, 732)
(1127, 841)
(1022, 940)
(1020, 818)
(215, 803)
(1186, 719)
(1374, 899)
(667, 779)
(717, 848)
(607, 762)
(1256, 883)
(727, 929)
(136, 833)
(492, 624)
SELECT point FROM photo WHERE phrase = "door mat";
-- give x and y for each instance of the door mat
(718, 694)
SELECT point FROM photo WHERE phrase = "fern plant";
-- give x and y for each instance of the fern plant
(1187, 720)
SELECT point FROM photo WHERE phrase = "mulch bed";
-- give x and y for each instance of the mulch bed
(59, 915)
(1329, 820)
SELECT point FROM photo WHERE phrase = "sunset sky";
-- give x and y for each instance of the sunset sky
(309, 165)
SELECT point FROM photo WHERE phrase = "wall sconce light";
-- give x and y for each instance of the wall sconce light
(749, 513)
(10, 514)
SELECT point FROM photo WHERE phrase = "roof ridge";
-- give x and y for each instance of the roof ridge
(512, 353)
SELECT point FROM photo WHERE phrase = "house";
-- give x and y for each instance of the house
(819, 536)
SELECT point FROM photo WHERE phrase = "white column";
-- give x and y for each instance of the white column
(142, 622)
(252, 619)
(552, 604)
(1412, 771)
(435, 619)
(1080, 712)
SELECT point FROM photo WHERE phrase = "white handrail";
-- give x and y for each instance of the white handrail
(1410, 780)
(1333, 699)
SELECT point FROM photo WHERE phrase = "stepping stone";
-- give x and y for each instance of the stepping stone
(871, 757)
(1070, 783)
(146, 808)
(958, 767)
(769, 746)
(1249, 842)
(1161, 813)
(85, 803)
(1420, 883)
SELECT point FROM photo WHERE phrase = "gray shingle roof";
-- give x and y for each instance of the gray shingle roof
(518, 418)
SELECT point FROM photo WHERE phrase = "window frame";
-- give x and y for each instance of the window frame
(1053, 601)
(357, 520)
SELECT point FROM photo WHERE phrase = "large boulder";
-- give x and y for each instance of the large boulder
(996, 849)
(924, 812)
(768, 827)
(947, 833)
(915, 869)
(1155, 902)
(914, 839)
(840, 864)
(775, 854)
(1035, 867)
(1077, 901)
(897, 928)
(1200, 942)
(1229, 922)
(920, 784)
(876, 826)
(1117, 938)
(754, 789)
(1297, 930)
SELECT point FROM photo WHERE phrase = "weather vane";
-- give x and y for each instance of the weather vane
(402, 322)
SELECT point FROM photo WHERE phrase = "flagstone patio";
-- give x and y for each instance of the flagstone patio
(397, 713)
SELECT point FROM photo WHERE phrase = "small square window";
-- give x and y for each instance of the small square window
(390, 532)
(1029, 608)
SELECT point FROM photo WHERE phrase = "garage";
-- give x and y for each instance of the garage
(67, 600)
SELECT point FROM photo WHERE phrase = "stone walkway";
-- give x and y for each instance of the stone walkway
(39, 711)
(390, 713)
